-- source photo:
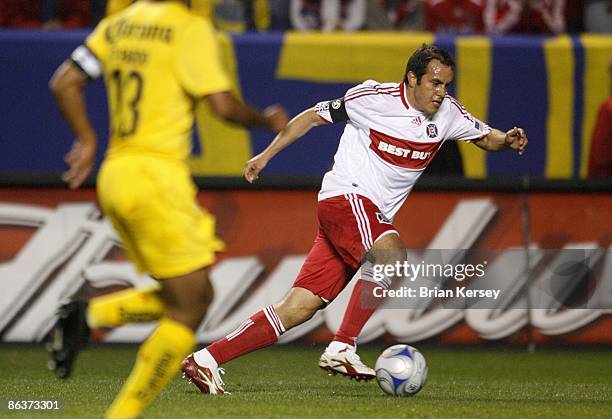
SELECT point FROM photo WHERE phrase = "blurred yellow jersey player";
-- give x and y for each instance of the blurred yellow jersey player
(157, 58)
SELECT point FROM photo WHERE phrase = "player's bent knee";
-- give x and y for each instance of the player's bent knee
(389, 241)
(387, 250)
(297, 307)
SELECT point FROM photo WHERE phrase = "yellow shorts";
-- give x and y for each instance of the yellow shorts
(151, 202)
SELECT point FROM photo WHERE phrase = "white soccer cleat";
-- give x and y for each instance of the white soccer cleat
(205, 378)
(346, 362)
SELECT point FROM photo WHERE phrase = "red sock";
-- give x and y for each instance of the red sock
(360, 308)
(260, 330)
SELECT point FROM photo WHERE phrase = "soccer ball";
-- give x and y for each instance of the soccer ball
(401, 370)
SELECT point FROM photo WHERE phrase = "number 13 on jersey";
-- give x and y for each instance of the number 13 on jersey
(126, 88)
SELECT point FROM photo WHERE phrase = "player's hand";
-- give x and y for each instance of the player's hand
(254, 166)
(277, 118)
(80, 159)
(516, 139)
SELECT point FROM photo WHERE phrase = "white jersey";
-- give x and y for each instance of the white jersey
(387, 144)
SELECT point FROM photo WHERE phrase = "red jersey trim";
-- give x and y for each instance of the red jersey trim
(376, 87)
(461, 108)
(394, 94)
(374, 90)
(403, 95)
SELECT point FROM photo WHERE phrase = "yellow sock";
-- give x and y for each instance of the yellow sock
(128, 306)
(158, 360)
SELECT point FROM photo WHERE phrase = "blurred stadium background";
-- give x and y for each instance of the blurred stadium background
(54, 243)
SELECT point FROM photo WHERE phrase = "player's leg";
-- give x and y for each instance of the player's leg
(321, 278)
(363, 228)
(266, 326)
(176, 241)
(186, 299)
(260, 330)
(133, 305)
(340, 356)
(71, 332)
(387, 250)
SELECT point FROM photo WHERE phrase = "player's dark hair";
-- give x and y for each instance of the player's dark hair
(418, 61)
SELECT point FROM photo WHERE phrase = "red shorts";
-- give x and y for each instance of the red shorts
(348, 227)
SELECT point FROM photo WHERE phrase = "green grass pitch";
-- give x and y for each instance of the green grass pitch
(284, 381)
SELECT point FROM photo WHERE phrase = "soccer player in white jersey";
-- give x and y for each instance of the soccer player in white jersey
(393, 130)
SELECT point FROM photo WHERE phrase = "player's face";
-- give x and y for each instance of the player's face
(429, 93)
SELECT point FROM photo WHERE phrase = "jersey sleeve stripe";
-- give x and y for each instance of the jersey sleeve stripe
(347, 99)
(403, 95)
(357, 89)
(388, 90)
(486, 128)
(461, 109)
(377, 87)
(87, 62)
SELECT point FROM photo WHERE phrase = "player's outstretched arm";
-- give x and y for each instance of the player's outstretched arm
(496, 140)
(296, 128)
(225, 105)
(67, 86)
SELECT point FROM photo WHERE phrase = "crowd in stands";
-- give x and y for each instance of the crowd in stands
(450, 16)
(46, 14)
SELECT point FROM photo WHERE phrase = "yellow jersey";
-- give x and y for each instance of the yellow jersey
(156, 58)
